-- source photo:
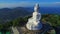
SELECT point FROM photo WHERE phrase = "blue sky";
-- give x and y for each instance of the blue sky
(28, 3)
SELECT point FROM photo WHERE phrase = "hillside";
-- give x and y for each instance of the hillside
(7, 14)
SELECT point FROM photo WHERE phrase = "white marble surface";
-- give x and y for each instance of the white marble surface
(34, 22)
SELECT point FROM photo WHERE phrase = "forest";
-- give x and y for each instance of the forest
(53, 20)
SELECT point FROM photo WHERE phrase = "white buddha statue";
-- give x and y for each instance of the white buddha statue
(34, 22)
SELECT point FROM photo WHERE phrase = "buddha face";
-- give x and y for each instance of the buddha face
(36, 8)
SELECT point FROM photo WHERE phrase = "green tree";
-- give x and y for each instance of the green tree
(1, 26)
(15, 22)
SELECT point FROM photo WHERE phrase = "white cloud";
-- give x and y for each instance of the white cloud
(18, 4)
(57, 2)
(27, 4)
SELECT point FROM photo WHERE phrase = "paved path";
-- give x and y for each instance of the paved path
(21, 29)
(15, 31)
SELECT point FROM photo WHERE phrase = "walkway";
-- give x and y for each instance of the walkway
(15, 31)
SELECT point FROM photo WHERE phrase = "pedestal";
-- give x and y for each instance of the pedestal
(31, 26)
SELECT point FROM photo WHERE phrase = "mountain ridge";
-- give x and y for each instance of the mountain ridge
(12, 13)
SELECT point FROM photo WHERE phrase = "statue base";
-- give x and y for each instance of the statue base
(31, 26)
